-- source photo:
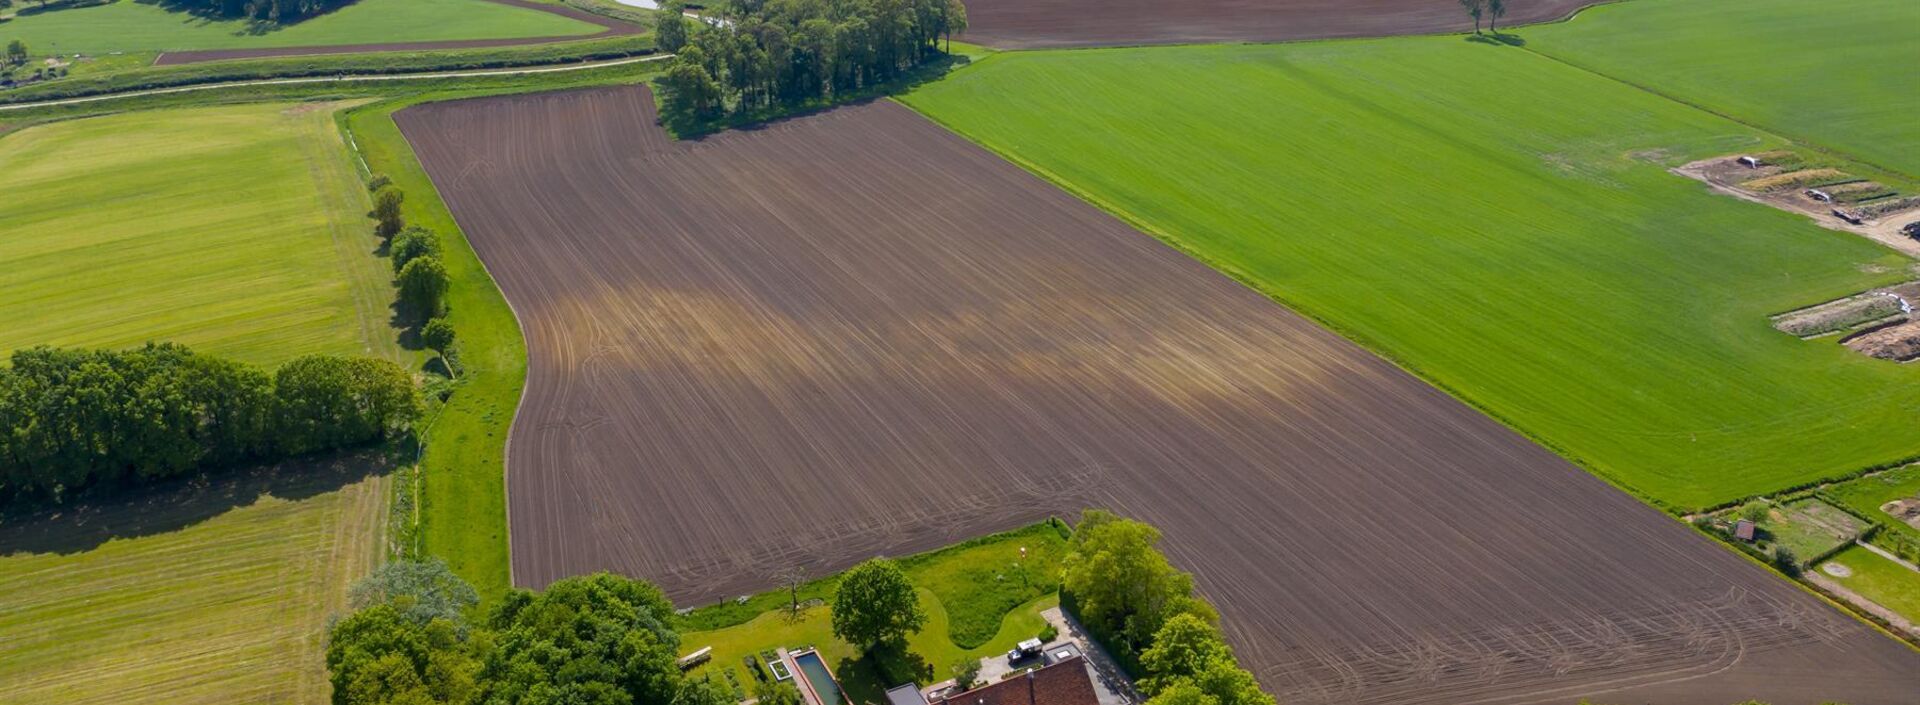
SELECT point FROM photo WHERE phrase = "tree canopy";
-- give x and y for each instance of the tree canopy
(876, 605)
(78, 419)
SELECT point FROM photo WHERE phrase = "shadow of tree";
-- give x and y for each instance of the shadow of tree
(866, 677)
(1498, 39)
(178, 504)
(248, 26)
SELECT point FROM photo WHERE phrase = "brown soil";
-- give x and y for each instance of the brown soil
(1027, 24)
(611, 28)
(856, 334)
(1900, 342)
(1907, 510)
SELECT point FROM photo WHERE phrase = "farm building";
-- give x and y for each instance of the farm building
(1743, 530)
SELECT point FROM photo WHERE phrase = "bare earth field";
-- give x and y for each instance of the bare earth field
(855, 333)
(1029, 24)
(612, 28)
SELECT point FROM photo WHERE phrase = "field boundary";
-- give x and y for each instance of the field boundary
(1371, 346)
(609, 27)
(424, 76)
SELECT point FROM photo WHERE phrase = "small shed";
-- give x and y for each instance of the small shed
(1743, 530)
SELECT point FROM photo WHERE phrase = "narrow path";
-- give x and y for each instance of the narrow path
(609, 28)
(1894, 618)
(339, 79)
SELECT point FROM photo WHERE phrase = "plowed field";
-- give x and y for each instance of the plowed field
(1028, 24)
(856, 333)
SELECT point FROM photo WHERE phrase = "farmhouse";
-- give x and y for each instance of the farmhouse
(1063, 682)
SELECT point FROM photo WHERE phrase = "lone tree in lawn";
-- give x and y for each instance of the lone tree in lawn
(1474, 8)
(17, 52)
(1495, 10)
(876, 606)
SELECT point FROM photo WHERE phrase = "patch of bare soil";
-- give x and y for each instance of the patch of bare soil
(1029, 24)
(1907, 510)
(1853, 313)
(1899, 342)
(856, 334)
(1787, 189)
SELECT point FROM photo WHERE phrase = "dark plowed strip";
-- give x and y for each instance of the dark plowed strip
(611, 28)
(856, 334)
(1028, 24)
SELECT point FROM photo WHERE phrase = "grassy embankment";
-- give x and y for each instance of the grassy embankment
(1838, 76)
(462, 506)
(239, 230)
(980, 596)
(140, 27)
(1496, 221)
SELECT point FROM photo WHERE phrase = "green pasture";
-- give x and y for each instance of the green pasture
(239, 230)
(1499, 223)
(132, 26)
(1840, 75)
(1888, 584)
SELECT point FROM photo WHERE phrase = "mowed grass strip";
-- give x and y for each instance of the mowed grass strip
(237, 230)
(1886, 583)
(1840, 75)
(1499, 222)
(133, 26)
(232, 609)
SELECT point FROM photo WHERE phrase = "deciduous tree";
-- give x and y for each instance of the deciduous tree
(876, 606)
(1496, 9)
(1475, 9)
(423, 286)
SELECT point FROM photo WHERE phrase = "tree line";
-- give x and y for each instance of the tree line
(419, 273)
(757, 54)
(599, 639)
(74, 420)
(1144, 611)
(262, 10)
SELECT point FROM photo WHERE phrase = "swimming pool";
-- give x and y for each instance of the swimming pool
(817, 675)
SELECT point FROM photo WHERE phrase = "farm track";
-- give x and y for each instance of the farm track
(1036, 24)
(855, 334)
(609, 28)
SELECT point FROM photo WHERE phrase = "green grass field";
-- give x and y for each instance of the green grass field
(1885, 582)
(130, 26)
(1498, 222)
(1838, 75)
(239, 230)
(227, 229)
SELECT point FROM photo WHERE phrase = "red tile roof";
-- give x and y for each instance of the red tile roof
(1063, 683)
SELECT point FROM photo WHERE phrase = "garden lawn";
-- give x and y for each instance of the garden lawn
(239, 230)
(1864, 497)
(131, 26)
(981, 598)
(1885, 582)
(1839, 75)
(1496, 221)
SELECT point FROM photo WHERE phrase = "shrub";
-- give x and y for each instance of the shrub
(1049, 633)
(1754, 511)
